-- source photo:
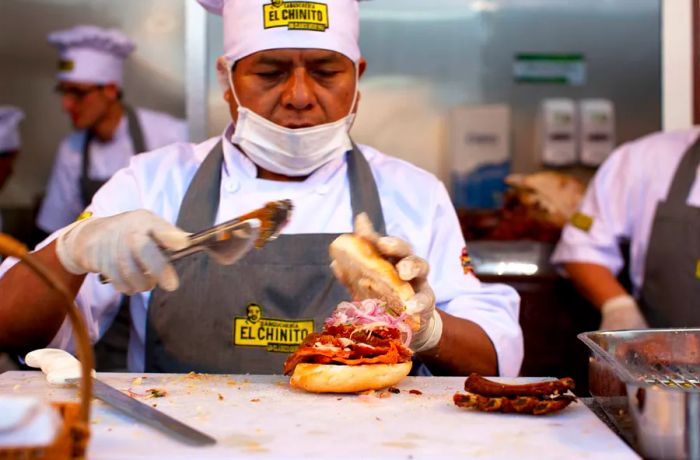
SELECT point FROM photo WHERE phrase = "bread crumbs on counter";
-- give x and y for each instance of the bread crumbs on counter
(231, 382)
(156, 392)
(196, 376)
(17, 387)
(367, 397)
(221, 397)
(384, 395)
(393, 390)
(255, 400)
(137, 381)
(415, 392)
(154, 405)
(96, 420)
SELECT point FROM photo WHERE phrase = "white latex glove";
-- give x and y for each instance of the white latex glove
(414, 270)
(58, 365)
(126, 248)
(621, 312)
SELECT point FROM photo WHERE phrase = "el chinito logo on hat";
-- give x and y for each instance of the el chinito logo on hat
(65, 65)
(311, 16)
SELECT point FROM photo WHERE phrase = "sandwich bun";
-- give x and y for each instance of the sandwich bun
(332, 378)
(362, 269)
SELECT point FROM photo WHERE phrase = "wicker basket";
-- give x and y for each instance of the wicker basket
(74, 434)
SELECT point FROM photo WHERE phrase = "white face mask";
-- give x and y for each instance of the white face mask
(292, 152)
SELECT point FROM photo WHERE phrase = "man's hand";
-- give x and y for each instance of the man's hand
(621, 312)
(414, 270)
(126, 248)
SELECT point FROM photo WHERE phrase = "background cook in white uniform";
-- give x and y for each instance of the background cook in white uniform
(415, 204)
(10, 144)
(621, 202)
(95, 56)
(63, 201)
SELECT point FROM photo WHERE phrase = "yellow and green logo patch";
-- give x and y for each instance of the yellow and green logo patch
(296, 15)
(65, 65)
(83, 215)
(582, 221)
(466, 262)
(276, 335)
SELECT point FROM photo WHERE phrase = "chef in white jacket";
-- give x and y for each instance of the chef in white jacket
(646, 194)
(10, 144)
(291, 84)
(107, 132)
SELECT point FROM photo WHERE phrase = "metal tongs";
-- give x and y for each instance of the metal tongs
(223, 242)
(229, 241)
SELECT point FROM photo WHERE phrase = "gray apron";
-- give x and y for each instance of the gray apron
(88, 187)
(111, 349)
(671, 291)
(247, 317)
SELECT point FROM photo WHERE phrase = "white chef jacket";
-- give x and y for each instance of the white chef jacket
(415, 204)
(63, 201)
(622, 198)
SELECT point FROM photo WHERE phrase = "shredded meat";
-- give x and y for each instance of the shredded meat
(379, 346)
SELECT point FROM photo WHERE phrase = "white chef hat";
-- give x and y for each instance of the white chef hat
(9, 132)
(256, 25)
(90, 54)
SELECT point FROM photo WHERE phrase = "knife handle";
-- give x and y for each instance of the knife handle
(58, 365)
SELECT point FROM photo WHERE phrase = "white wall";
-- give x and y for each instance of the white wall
(677, 73)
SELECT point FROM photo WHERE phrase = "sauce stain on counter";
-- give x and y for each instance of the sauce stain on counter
(401, 444)
(247, 442)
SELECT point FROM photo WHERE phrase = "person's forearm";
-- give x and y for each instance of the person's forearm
(595, 282)
(463, 348)
(30, 312)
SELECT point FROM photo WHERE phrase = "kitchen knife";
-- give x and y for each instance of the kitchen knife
(61, 368)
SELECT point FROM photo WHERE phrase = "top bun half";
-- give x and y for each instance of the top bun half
(367, 275)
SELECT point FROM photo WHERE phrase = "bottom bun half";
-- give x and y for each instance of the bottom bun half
(334, 378)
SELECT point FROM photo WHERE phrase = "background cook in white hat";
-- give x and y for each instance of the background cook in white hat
(10, 144)
(646, 194)
(295, 79)
(107, 134)
(90, 81)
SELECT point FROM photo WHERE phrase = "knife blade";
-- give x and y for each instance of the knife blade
(61, 368)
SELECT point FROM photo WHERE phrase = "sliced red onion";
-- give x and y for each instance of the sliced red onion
(369, 311)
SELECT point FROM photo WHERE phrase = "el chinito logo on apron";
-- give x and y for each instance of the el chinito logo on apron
(296, 15)
(277, 335)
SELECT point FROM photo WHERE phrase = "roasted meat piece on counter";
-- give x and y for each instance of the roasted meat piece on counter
(538, 398)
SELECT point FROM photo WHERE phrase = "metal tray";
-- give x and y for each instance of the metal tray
(648, 382)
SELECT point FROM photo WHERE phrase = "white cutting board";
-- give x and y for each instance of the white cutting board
(261, 417)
